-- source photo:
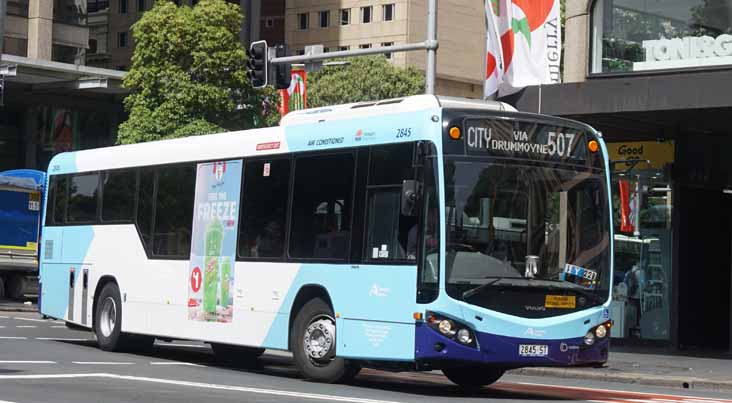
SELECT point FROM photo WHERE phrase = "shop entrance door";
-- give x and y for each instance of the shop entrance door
(705, 257)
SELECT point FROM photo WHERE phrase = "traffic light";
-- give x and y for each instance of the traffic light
(258, 64)
(282, 72)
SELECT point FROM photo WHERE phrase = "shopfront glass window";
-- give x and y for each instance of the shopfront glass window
(631, 35)
(642, 208)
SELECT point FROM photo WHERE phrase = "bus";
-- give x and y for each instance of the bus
(20, 222)
(422, 233)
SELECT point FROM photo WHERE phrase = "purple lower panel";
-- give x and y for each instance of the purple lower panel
(504, 351)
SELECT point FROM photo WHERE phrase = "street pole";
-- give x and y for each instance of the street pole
(432, 50)
(430, 45)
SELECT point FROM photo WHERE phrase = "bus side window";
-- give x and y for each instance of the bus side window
(390, 235)
(265, 195)
(82, 204)
(57, 199)
(118, 196)
(174, 210)
(321, 207)
(145, 197)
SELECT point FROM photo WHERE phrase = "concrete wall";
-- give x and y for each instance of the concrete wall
(576, 40)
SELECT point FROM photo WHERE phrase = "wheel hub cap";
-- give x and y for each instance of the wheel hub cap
(319, 338)
(109, 317)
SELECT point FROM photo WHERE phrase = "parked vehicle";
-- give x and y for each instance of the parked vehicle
(21, 199)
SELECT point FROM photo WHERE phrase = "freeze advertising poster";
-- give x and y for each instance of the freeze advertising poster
(213, 243)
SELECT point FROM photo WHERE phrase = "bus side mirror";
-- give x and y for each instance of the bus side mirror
(410, 195)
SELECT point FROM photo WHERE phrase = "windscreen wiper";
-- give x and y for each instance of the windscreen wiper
(469, 293)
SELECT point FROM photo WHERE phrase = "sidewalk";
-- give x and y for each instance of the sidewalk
(652, 366)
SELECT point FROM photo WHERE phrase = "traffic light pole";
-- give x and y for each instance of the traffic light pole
(430, 45)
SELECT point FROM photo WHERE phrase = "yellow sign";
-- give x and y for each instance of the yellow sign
(658, 153)
(560, 301)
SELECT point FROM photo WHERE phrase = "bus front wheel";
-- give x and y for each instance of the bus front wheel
(313, 338)
(473, 376)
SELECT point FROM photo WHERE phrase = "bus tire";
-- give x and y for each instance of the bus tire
(236, 355)
(471, 377)
(108, 319)
(2, 287)
(314, 345)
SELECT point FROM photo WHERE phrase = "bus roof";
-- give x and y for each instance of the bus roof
(389, 106)
(232, 145)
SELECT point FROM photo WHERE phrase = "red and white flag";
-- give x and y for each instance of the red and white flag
(523, 45)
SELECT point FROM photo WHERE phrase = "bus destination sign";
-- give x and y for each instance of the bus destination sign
(524, 139)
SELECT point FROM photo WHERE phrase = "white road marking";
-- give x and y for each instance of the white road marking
(102, 363)
(27, 362)
(176, 363)
(27, 327)
(58, 327)
(13, 338)
(62, 339)
(31, 320)
(59, 322)
(2, 327)
(4, 317)
(5, 401)
(273, 392)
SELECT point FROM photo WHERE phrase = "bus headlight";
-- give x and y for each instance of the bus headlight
(463, 336)
(451, 329)
(601, 331)
(590, 338)
(446, 327)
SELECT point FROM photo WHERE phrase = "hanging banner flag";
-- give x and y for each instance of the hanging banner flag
(295, 97)
(524, 41)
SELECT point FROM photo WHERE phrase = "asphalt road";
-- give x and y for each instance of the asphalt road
(43, 361)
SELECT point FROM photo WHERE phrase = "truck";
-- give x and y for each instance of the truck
(21, 204)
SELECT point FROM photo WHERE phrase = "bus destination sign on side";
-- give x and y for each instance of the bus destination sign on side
(523, 139)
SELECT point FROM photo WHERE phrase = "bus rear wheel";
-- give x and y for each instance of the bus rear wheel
(313, 338)
(237, 355)
(473, 376)
(108, 324)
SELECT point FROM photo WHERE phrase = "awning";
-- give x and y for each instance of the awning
(47, 75)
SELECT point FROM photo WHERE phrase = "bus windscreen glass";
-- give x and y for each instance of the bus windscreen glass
(536, 233)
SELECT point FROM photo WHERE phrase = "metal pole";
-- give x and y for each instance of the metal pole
(350, 53)
(431, 50)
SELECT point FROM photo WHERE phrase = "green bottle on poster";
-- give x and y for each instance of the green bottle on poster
(213, 242)
(225, 281)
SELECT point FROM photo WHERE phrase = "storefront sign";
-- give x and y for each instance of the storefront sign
(691, 51)
(658, 153)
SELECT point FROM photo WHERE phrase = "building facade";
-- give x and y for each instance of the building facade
(655, 77)
(110, 24)
(354, 24)
(51, 101)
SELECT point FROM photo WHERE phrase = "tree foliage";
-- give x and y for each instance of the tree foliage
(363, 79)
(188, 74)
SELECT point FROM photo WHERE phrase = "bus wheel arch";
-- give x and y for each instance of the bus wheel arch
(100, 286)
(304, 295)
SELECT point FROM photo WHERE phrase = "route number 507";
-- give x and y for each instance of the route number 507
(559, 143)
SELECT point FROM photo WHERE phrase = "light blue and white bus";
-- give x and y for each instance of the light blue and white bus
(410, 234)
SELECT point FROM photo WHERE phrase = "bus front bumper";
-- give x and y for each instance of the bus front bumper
(504, 351)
